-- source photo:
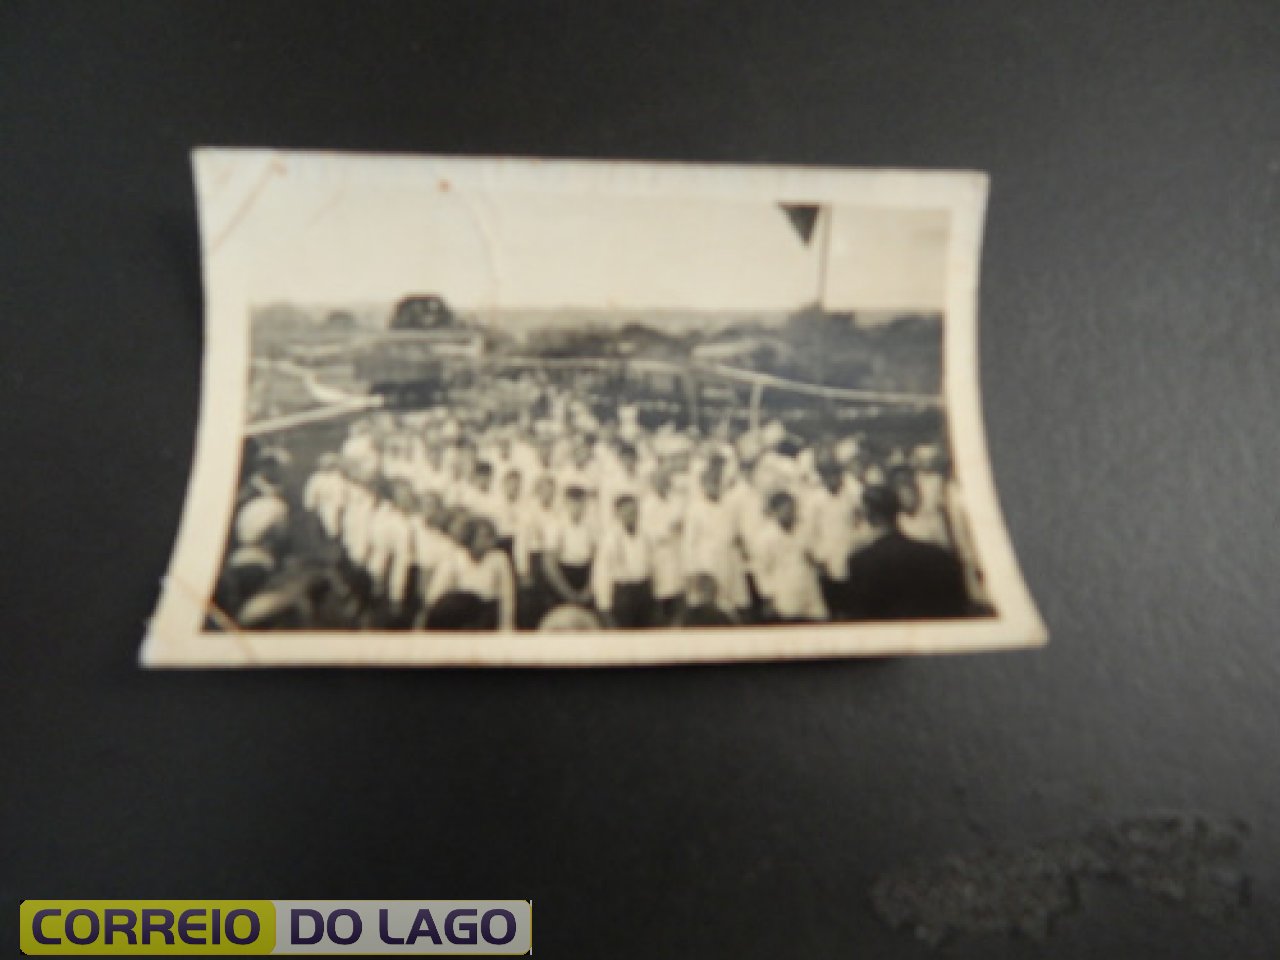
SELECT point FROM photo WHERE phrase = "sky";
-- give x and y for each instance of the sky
(355, 235)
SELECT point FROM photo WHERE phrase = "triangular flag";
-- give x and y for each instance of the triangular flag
(804, 217)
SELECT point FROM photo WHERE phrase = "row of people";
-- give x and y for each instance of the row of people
(641, 535)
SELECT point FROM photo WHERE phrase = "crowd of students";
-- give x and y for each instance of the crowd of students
(437, 521)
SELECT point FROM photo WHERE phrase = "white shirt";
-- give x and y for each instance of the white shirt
(573, 543)
(482, 503)
(534, 532)
(361, 448)
(260, 518)
(431, 548)
(489, 578)
(356, 514)
(390, 550)
(829, 525)
(525, 458)
(727, 456)
(506, 514)
(323, 497)
(710, 546)
(502, 464)
(776, 472)
(661, 522)
(427, 478)
(572, 475)
(396, 458)
(615, 483)
(787, 577)
(622, 558)
(748, 505)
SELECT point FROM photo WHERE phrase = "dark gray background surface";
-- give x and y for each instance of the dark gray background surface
(1129, 332)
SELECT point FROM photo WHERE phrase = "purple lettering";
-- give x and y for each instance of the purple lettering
(356, 927)
(254, 926)
(383, 932)
(120, 921)
(37, 926)
(296, 917)
(157, 922)
(71, 927)
(424, 925)
(509, 924)
(191, 925)
(452, 927)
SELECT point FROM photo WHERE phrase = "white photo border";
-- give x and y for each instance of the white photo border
(228, 181)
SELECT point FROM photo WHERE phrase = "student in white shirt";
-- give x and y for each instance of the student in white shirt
(711, 454)
(474, 588)
(397, 453)
(622, 574)
(361, 448)
(322, 495)
(478, 497)
(431, 474)
(390, 551)
(542, 456)
(621, 476)
(507, 507)
(263, 521)
(463, 464)
(524, 458)
(431, 547)
(830, 524)
(711, 544)
(787, 574)
(661, 522)
(534, 531)
(357, 512)
(582, 471)
(568, 557)
(501, 452)
(747, 499)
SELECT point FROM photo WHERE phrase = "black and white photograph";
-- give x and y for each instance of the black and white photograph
(537, 412)
(666, 479)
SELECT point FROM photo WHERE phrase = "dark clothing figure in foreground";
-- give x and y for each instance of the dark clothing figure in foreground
(897, 578)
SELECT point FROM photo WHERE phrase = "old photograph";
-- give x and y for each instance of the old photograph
(470, 411)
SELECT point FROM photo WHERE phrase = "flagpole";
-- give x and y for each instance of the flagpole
(824, 248)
